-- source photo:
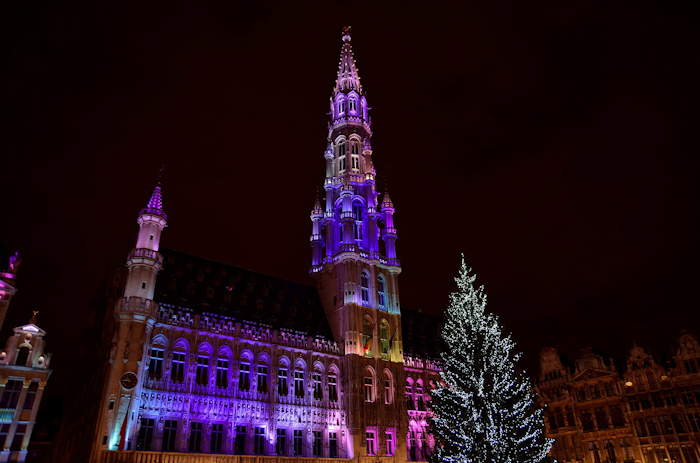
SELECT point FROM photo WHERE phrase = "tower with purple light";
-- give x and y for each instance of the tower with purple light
(354, 261)
(209, 358)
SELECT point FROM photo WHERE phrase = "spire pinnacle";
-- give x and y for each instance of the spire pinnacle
(348, 75)
(155, 203)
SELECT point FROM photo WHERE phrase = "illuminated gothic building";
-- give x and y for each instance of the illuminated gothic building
(24, 371)
(646, 414)
(209, 358)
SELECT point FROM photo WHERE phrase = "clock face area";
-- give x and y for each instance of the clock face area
(128, 381)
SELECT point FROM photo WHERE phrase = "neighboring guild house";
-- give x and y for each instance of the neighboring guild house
(24, 370)
(644, 414)
(210, 359)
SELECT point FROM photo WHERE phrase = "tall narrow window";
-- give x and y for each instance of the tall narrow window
(155, 364)
(381, 295)
(409, 396)
(419, 397)
(169, 435)
(354, 147)
(31, 395)
(353, 105)
(282, 388)
(202, 370)
(317, 444)
(412, 451)
(262, 378)
(298, 443)
(384, 338)
(388, 390)
(244, 377)
(299, 383)
(333, 445)
(370, 440)
(355, 160)
(195, 443)
(367, 336)
(177, 370)
(259, 441)
(239, 444)
(332, 388)
(318, 392)
(222, 373)
(369, 389)
(217, 438)
(341, 164)
(390, 443)
(341, 106)
(364, 288)
(144, 441)
(281, 444)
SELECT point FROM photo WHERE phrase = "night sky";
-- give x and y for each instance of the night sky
(547, 141)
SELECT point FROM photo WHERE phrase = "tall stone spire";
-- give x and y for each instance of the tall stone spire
(348, 75)
(155, 203)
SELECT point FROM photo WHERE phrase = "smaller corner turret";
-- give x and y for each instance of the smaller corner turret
(8, 286)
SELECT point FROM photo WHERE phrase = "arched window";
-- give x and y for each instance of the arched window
(418, 392)
(384, 344)
(353, 105)
(341, 150)
(409, 394)
(367, 329)
(381, 292)
(364, 287)
(341, 106)
(369, 391)
(355, 147)
(357, 214)
(388, 388)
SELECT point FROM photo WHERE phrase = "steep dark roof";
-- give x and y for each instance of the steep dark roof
(421, 334)
(206, 286)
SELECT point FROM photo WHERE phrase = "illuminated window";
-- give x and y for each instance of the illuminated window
(371, 443)
(259, 441)
(281, 444)
(332, 388)
(341, 163)
(298, 443)
(381, 288)
(384, 338)
(409, 396)
(155, 364)
(244, 377)
(202, 377)
(419, 396)
(262, 379)
(169, 435)
(195, 443)
(388, 388)
(216, 438)
(355, 162)
(369, 388)
(367, 336)
(341, 106)
(282, 388)
(299, 383)
(222, 373)
(364, 288)
(390, 443)
(353, 105)
(144, 441)
(355, 147)
(317, 446)
(177, 369)
(318, 392)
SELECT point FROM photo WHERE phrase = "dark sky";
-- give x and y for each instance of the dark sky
(548, 141)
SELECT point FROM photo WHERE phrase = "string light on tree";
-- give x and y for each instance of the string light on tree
(485, 410)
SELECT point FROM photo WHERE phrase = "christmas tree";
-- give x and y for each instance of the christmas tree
(484, 410)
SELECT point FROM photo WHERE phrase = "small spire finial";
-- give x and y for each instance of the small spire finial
(346, 33)
(35, 317)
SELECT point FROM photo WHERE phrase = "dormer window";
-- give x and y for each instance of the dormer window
(341, 107)
(353, 105)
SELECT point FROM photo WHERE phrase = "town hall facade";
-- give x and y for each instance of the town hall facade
(209, 360)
